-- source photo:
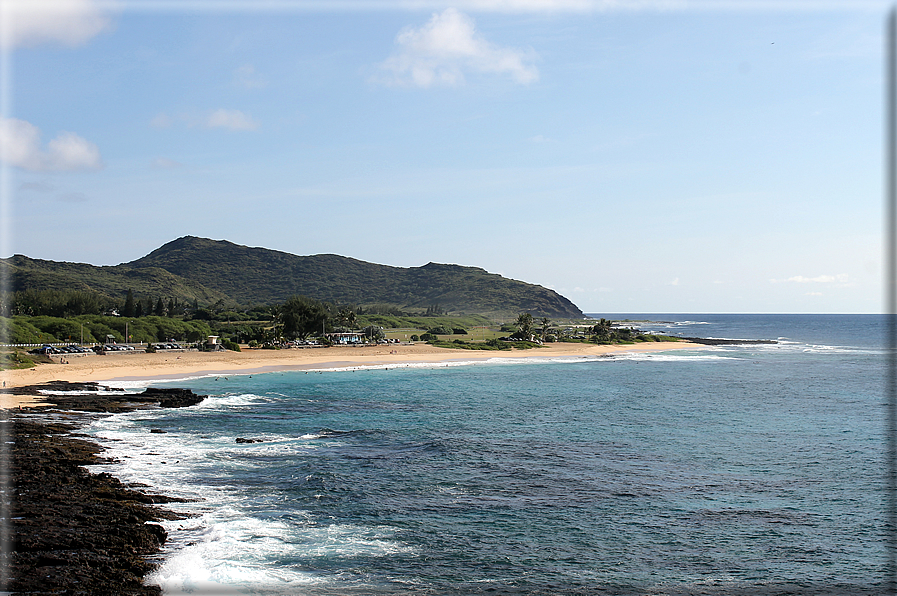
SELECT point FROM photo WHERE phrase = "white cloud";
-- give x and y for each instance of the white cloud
(29, 23)
(841, 278)
(161, 121)
(20, 147)
(163, 163)
(440, 52)
(220, 118)
(231, 119)
(41, 187)
(246, 77)
(532, 5)
(72, 197)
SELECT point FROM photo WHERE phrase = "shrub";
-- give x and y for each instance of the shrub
(22, 332)
(56, 328)
(415, 338)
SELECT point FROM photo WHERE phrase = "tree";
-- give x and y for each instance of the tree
(602, 329)
(129, 308)
(546, 323)
(346, 318)
(525, 326)
(160, 308)
(301, 316)
(374, 333)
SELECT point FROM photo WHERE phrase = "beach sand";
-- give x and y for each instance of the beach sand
(131, 366)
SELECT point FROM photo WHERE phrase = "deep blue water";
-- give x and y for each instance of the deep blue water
(753, 469)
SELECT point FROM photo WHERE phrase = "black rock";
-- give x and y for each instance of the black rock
(107, 399)
(74, 532)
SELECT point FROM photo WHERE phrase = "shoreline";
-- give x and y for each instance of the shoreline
(71, 530)
(128, 367)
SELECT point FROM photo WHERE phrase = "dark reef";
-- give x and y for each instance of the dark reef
(98, 398)
(70, 531)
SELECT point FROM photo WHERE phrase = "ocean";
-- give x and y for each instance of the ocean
(729, 470)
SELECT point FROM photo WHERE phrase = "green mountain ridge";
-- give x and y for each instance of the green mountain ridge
(217, 270)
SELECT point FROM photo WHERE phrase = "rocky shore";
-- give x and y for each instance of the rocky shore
(69, 531)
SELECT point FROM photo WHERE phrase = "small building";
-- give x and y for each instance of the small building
(351, 337)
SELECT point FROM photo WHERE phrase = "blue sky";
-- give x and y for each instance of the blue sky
(634, 156)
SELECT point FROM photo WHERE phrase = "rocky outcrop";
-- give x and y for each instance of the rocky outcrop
(74, 532)
(93, 397)
(71, 531)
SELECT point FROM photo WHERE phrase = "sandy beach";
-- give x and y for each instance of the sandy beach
(130, 366)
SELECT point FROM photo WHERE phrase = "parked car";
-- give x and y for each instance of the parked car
(46, 350)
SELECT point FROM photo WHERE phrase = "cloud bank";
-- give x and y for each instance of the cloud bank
(441, 51)
(28, 23)
(20, 146)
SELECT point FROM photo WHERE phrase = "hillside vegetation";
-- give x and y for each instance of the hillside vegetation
(205, 272)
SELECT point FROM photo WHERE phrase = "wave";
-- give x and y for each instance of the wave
(785, 345)
(232, 399)
(231, 553)
(678, 357)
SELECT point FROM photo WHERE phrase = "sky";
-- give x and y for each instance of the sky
(642, 156)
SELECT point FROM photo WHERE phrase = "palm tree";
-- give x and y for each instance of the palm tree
(345, 317)
(602, 329)
(525, 325)
(546, 322)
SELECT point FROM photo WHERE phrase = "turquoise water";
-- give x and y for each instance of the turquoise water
(732, 470)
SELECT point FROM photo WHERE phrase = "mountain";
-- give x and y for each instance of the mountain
(25, 273)
(210, 270)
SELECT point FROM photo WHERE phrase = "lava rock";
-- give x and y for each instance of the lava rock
(74, 532)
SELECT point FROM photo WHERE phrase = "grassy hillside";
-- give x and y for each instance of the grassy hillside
(210, 271)
(262, 275)
(110, 281)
